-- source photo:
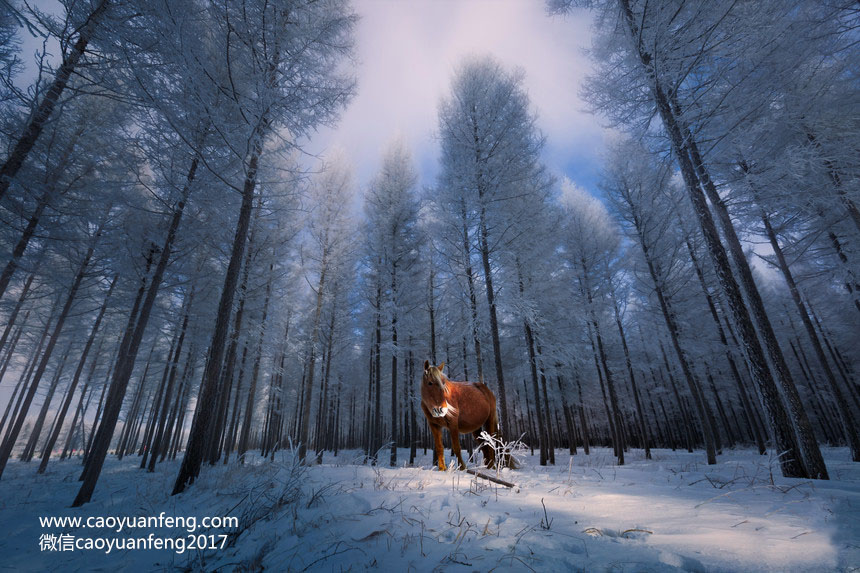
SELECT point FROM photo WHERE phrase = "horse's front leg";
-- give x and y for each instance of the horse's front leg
(455, 447)
(438, 449)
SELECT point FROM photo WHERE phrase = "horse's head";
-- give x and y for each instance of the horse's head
(434, 390)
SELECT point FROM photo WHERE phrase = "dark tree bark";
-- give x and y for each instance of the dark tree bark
(36, 431)
(42, 113)
(255, 372)
(494, 321)
(613, 413)
(9, 443)
(74, 383)
(157, 440)
(846, 416)
(473, 301)
(159, 403)
(792, 462)
(812, 459)
(308, 386)
(201, 426)
(541, 424)
(745, 401)
(583, 422)
(394, 350)
(568, 414)
(82, 406)
(32, 361)
(20, 384)
(643, 430)
(13, 316)
(129, 347)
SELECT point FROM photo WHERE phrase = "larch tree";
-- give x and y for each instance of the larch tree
(654, 59)
(636, 189)
(286, 55)
(490, 146)
(330, 234)
(391, 220)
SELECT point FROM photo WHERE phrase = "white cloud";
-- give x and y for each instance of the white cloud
(408, 51)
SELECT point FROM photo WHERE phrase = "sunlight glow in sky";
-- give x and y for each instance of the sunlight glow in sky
(407, 53)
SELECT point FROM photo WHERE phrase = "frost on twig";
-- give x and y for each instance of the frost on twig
(513, 451)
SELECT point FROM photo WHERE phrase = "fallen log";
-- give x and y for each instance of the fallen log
(489, 477)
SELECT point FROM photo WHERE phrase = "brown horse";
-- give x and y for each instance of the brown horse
(459, 406)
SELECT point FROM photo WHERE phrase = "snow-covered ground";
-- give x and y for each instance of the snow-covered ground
(667, 514)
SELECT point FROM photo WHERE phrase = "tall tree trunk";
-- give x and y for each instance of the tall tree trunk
(201, 426)
(13, 316)
(160, 402)
(255, 372)
(674, 334)
(30, 448)
(9, 443)
(793, 460)
(473, 301)
(393, 458)
(131, 418)
(77, 376)
(42, 113)
(377, 379)
(643, 430)
(177, 412)
(307, 399)
(812, 458)
(19, 387)
(583, 421)
(494, 321)
(49, 184)
(550, 434)
(32, 361)
(82, 407)
(129, 346)
(846, 417)
(157, 440)
(612, 409)
(89, 444)
(541, 424)
(745, 401)
(431, 296)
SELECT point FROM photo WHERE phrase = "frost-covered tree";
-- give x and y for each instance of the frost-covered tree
(392, 250)
(636, 189)
(82, 22)
(283, 66)
(490, 152)
(664, 59)
(330, 232)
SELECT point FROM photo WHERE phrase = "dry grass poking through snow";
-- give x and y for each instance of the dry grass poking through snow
(673, 513)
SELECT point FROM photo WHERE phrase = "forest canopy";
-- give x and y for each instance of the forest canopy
(178, 283)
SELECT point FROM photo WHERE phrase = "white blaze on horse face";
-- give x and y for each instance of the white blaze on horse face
(440, 412)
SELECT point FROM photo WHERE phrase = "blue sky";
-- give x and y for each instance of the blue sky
(407, 52)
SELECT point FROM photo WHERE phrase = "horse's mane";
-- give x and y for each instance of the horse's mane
(437, 376)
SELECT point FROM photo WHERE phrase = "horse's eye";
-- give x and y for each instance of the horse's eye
(429, 383)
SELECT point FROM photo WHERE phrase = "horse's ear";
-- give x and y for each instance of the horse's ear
(441, 366)
(426, 365)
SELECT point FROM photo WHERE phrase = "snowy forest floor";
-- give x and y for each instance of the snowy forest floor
(667, 514)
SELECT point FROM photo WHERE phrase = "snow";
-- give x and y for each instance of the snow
(667, 514)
